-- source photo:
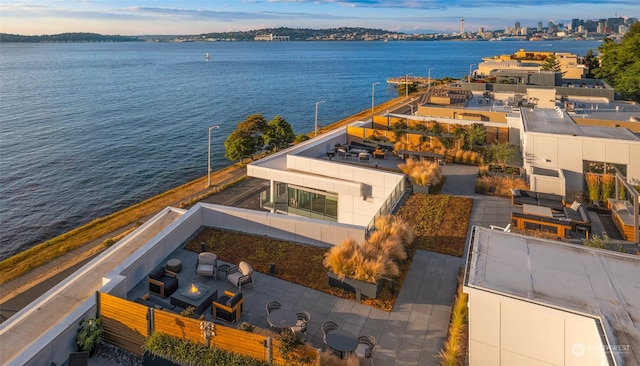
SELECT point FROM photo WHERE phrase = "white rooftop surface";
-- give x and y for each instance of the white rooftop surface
(603, 284)
(549, 121)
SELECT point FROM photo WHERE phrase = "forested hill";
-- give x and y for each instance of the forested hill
(305, 34)
(66, 37)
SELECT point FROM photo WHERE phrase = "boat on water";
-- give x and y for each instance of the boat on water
(207, 56)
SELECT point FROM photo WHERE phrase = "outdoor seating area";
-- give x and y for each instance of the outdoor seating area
(343, 343)
(292, 308)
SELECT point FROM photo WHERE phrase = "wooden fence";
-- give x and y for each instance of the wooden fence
(126, 325)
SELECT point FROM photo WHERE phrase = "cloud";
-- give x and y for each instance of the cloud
(447, 4)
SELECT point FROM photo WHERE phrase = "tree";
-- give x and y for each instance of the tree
(300, 138)
(254, 126)
(278, 134)
(620, 64)
(551, 63)
(474, 135)
(413, 87)
(503, 154)
(239, 145)
(590, 60)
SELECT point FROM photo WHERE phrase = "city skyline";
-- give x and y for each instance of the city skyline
(126, 17)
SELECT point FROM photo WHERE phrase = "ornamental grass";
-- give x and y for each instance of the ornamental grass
(422, 172)
(593, 186)
(606, 189)
(377, 257)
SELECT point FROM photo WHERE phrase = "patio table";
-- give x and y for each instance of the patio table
(282, 318)
(342, 341)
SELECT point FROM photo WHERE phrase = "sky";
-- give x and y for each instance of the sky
(182, 17)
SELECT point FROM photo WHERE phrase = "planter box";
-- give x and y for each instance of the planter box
(370, 290)
(420, 189)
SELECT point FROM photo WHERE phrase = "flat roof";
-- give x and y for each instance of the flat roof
(569, 277)
(549, 121)
(594, 108)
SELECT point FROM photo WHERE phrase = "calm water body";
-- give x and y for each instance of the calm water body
(89, 129)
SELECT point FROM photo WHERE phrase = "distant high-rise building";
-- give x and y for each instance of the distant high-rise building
(539, 26)
(631, 21)
(481, 30)
(517, 26)
(575, 23)
(461, 26)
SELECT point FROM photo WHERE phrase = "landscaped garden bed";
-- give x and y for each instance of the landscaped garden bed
(440, 224)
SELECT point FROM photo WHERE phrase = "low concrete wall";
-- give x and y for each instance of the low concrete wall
(298, 229)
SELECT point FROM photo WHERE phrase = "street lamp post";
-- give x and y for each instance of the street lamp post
(373, 93)
(406, 86)
(429, 87)
(470, 66)
(316, 124)
(209, 157)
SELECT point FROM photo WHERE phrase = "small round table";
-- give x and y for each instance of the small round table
(224, 268)
(341, 341)
(174, 265)
(282, 318)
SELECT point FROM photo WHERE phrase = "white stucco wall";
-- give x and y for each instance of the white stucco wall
(509, 331)
(567, 153)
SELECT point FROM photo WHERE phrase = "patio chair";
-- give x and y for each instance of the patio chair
(228, 307)
(365, 348)
(240, 275)
(506, 229)
(207, 265)
(273, 305)
(303, 320)
(162, 282)
(327, 327)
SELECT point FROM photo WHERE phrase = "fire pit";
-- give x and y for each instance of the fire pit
(195, 291)
(195, 295)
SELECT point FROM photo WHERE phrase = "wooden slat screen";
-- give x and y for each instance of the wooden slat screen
(125, 326)
(124, 322)
(239, 341)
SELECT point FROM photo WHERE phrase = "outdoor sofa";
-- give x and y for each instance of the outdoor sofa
(553, 201)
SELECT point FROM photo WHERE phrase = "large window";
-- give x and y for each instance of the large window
(312, 203)
(600, 167)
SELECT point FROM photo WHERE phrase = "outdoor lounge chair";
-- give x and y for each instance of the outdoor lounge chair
(240, 275)
(162, 282)
(228, 307)
(207, 264)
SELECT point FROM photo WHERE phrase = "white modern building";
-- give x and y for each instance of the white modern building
(551, 139)
(541, 302)
(301, 184)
